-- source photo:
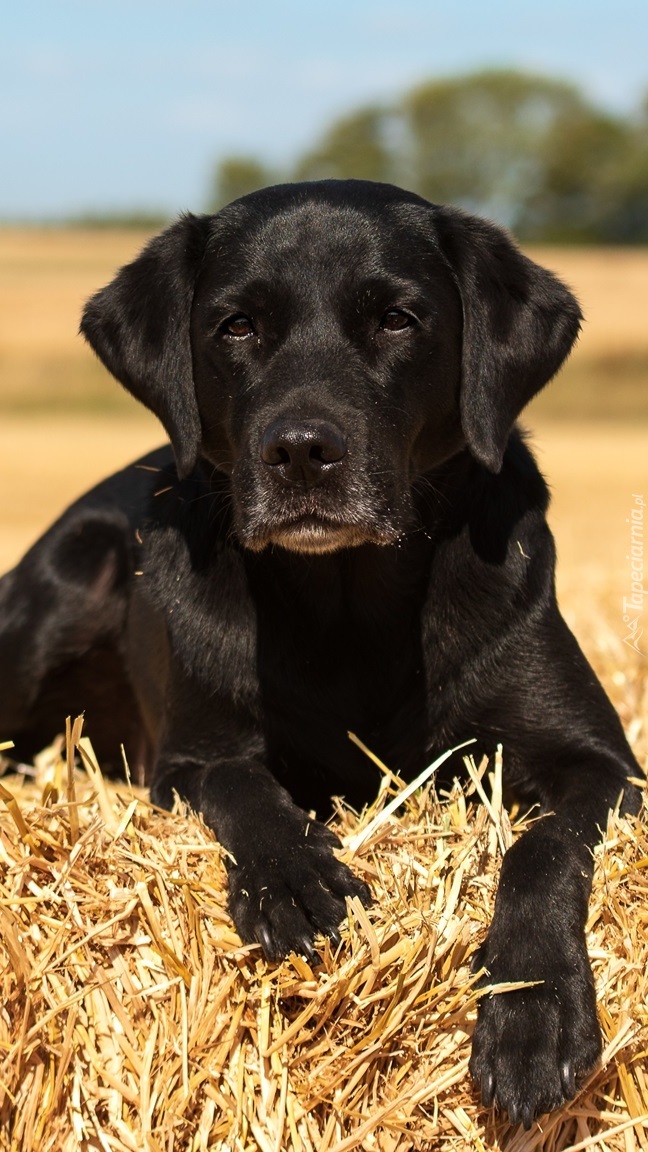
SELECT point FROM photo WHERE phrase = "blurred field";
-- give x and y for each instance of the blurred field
(46, 461)
(46, 274)
(64, 423)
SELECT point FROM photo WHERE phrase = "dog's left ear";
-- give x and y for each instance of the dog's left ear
(139, 326)
(520, 323)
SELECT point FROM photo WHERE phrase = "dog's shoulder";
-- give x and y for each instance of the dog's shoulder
(495, 557)
(482, 511)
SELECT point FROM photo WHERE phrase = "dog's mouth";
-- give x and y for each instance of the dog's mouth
(342, 510)
(315, 535)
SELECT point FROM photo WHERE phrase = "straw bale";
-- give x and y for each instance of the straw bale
(133, 1020)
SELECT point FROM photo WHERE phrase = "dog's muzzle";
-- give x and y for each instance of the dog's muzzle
(312, 493)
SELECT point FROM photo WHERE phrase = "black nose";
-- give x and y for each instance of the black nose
(302, 451)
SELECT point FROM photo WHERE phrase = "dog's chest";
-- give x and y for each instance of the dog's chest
(328, 665)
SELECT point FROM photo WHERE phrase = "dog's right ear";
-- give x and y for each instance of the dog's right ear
(520, 323)
(139, 326)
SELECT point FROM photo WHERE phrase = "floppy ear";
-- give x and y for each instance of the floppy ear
(520, 323)
(139, 327)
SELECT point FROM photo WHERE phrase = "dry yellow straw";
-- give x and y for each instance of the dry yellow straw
(132, 1017)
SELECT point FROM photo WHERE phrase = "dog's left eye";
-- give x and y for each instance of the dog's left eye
(395, 320)
(239, 326)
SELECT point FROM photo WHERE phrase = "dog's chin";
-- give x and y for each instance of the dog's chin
(314, 537)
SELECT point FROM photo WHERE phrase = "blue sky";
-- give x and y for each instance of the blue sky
(127, 104)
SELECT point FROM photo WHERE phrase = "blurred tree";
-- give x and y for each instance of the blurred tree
(624, 189)
(484, 140)
(356, 147)
(236, 176)
(530, 152)
(584, 154)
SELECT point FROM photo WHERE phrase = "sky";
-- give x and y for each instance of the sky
(127, 105)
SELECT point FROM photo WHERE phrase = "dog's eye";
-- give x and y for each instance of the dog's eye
(395, 320)
(239, 326)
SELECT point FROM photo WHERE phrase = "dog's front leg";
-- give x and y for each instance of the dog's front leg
(286, 884)
(532, 1046)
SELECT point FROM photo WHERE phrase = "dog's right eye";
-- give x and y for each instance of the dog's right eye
(239, 326)
(396, 320)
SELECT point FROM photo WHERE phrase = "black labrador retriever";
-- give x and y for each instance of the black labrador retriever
(349, 533)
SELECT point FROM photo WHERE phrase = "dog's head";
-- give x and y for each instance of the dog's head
(328, 343)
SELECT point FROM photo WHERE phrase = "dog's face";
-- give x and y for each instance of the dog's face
(326, 344)
(327, 347)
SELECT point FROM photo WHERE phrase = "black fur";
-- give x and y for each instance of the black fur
(352, 536)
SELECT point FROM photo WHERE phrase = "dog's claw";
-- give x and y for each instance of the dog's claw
(513, 1113)
(528, 1116)
(488, 1088)
(307, 949)
(334, 937)
(568, 1079)
(266, 942)
(477, 960)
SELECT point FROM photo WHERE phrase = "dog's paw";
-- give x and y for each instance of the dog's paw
(533, 1046)
(285, 892)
